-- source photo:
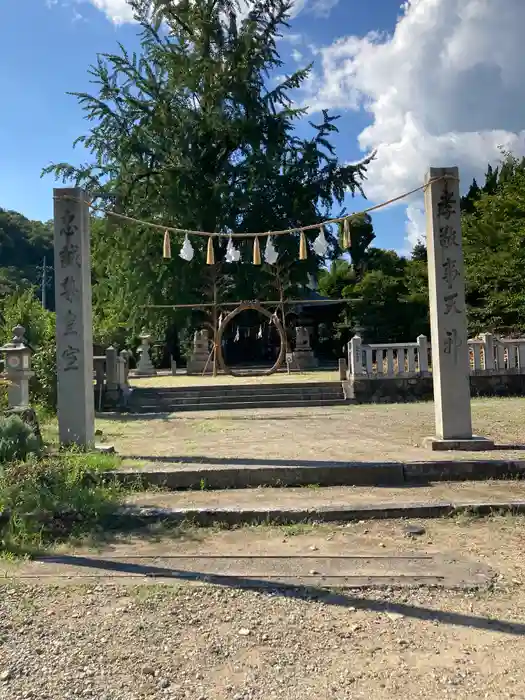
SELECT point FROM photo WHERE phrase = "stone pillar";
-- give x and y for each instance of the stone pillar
(125, 355)
(356, 356)
(74, 328)
(448, 317)
(422, 352)
(488, 351)
(343, 369)
(112, 385)
(145, 367)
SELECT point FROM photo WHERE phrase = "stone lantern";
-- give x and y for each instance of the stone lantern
(18, 369)
(145, 367)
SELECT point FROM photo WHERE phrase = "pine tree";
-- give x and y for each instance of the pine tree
(192, 132)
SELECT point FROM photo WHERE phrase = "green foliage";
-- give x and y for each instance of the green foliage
(361, 236)
(23, 246)
(333, 281)
(388, 295)
(494, 248)
(17, 440)
(23, 308)
(196, 131)
(48, 500)
(384, 310)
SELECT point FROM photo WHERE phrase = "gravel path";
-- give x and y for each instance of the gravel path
(206, 644)
(197, 642)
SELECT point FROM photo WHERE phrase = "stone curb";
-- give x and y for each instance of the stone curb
(145, 515)
(350, 474)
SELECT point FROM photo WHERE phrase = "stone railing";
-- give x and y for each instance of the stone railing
(487, 354)
(490, 354)
(403, 371)
(388, 359)
(111, 375)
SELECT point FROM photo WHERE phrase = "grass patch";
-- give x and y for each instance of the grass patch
(45, 501)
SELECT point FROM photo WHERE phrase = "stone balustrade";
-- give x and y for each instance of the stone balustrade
(403, 371)
(388, 359)
(487, 354)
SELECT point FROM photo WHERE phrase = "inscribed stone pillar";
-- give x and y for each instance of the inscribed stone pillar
(448, 317)
(74, 331)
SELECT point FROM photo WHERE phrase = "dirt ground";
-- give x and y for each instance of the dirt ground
(392, 432)
(165, 380)
(315, 498)
(118, 640)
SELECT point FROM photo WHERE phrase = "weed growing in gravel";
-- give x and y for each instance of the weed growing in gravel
(45, 500)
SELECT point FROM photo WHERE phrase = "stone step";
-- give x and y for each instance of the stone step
(164, 397)
(152, 407)
(339, 504)
(197, 397)
(179, 473)
(240, 389)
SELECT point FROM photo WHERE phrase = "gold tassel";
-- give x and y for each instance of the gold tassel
(166, 248)
(210, 255)
(303, 249)
(256, 251)
(347, 241)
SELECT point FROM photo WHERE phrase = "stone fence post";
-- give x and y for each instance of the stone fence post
(356, 356)
(488, 350)
(112, 387)
(125, 355)
(422, 351)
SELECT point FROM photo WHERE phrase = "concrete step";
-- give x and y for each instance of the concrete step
(152, 406)
(240, 389)
(256, 395)
(178, 474)
(339, 504)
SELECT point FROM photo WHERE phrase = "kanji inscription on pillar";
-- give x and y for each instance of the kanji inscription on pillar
(448, 319)
(74, 334)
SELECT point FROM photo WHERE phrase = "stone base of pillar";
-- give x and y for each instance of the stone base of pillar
(304, 359)
(144, 373)
(105, 449)
(197, 363)
(473, 444)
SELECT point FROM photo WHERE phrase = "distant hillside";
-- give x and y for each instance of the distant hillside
(23, 246)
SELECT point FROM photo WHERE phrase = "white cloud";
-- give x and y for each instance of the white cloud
(119, 11)
(444, 89)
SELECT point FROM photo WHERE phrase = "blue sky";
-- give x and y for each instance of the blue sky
(40, 121)
(379, 66)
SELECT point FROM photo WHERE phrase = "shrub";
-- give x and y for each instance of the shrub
(17, 441)
(48, 499)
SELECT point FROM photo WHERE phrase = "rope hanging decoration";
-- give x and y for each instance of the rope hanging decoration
(256, 251)
(347, 240)
(320, 245)
(166, 248)
(210, 254)
(303, 248)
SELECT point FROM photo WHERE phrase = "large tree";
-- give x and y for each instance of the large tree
(494, 243)
(196, 131)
